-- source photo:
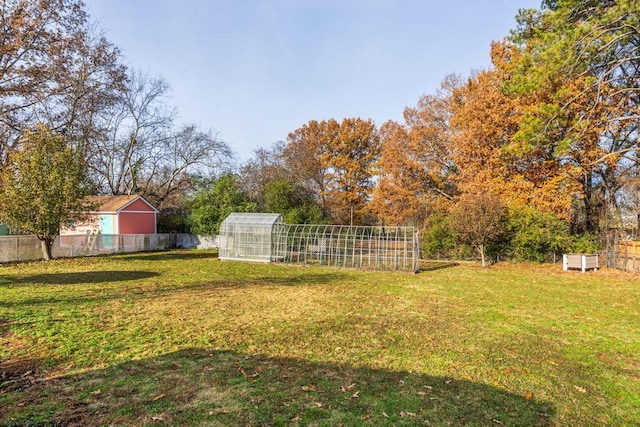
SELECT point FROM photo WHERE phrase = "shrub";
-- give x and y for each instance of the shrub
(296, 205)
(173, 220)
(438, 240)
(533, 235)
(585, 243)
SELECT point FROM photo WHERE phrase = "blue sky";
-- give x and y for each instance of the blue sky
(255, 70)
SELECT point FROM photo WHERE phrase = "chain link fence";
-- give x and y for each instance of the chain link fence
(29, 248)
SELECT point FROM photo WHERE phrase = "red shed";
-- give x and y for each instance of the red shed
(118, 215)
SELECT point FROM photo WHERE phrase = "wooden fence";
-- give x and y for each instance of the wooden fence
(628, 256)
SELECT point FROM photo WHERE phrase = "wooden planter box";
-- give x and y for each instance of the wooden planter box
(582, 262)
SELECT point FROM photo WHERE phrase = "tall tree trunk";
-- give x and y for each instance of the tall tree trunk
(591, 210)
(46, 245)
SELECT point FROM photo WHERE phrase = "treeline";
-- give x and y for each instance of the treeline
(536, 154)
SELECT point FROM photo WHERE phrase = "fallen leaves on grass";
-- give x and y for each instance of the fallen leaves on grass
(350, 387)
(250, 376)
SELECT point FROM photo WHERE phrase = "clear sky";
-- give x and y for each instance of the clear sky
(255, 70)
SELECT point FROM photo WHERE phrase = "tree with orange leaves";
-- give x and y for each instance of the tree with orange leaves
(488, 149)
(478, 219)
(335, 160)
(415, 162)
(585, 52)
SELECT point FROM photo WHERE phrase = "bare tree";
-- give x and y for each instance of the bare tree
(266, 165)
(185, 153)
(135, 124)
(54, 69)
(142, 152)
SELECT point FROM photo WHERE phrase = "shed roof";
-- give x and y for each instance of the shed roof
(115, 203)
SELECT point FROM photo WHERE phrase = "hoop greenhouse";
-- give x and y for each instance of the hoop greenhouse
(266, 238)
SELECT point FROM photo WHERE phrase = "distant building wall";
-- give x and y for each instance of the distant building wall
(87, 226)
(136, 222)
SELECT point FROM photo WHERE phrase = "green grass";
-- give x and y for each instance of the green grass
(180, 338)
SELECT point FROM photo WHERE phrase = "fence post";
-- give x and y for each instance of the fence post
(565, 262)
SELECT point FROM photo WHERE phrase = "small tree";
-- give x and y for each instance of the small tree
(214, 201)
(42, 186)
(478, 219)
(292, 201)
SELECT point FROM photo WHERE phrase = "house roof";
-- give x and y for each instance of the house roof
(115, 203)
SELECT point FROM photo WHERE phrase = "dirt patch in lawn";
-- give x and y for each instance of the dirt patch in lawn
(18, 374)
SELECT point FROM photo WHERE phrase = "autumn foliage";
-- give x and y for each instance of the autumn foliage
(549, 129)
(335, 160)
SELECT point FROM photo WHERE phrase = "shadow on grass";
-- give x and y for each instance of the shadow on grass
(69, 280)
(436, 265)
(86, 277)
(208, 387)
(172, 255)
(99, 294)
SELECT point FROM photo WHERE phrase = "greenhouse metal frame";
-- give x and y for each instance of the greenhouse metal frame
(266, 238)
(248, 236)
(361, 247)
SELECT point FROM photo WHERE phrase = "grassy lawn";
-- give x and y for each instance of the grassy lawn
(180, 338)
